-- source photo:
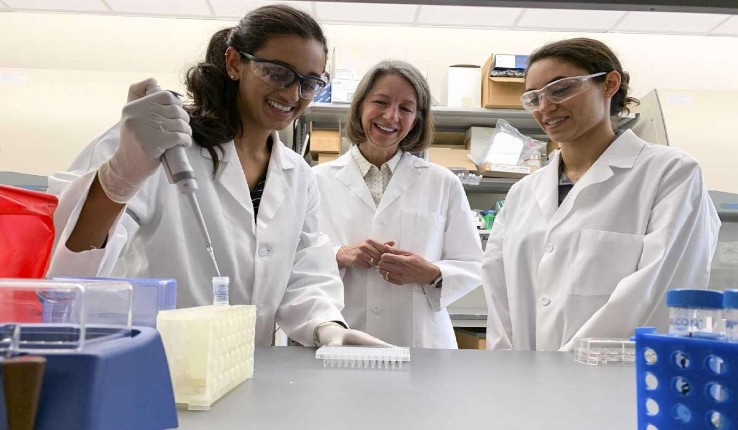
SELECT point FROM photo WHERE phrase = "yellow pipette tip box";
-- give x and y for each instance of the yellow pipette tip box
(210, 350)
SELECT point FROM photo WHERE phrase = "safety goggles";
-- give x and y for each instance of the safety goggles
(557, 91)
(279, 76)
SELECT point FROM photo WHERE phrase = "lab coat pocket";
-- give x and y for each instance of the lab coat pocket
(422, 233)
(603, 259)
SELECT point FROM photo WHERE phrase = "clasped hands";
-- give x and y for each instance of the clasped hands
(396, 266)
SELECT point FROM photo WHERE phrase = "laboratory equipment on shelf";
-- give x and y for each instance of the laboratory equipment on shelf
(363, 357)
(101, 372)
(210, 351)
(694, 312)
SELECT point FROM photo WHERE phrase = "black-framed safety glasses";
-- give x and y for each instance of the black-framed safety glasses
(279, 76)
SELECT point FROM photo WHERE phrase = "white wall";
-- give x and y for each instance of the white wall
(69, 74)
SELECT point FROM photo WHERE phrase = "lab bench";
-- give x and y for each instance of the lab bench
(438, 389)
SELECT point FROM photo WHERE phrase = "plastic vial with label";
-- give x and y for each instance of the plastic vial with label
(730, 313)
(694, 312)
(534, 162)
(220, 290)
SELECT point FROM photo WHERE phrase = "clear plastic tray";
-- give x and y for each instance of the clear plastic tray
(363, 357)
(56, 316)
(149, 296)
(605, 352)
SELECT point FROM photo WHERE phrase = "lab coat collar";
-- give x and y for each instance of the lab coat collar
(405, 175)
(622, 153)
(231, 176)
(350, 175)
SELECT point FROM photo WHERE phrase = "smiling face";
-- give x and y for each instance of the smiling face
(388, 114)
(576, 119)
(264, 108)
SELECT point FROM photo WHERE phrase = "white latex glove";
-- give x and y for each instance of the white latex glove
(334, 334)
(149, 125)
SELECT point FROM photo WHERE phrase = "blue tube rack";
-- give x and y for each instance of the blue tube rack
(686, 382)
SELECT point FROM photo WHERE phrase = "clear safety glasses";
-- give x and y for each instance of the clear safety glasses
(279, 76)
(557, 91)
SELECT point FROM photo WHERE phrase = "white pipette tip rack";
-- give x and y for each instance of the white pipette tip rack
(362, 357)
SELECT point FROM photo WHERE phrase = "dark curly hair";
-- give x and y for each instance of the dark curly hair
(214, 116)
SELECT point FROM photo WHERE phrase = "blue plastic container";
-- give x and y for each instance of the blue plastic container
(149, 297)
(121, 383)
(685, 382)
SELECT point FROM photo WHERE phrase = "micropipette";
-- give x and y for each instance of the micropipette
(180, 173)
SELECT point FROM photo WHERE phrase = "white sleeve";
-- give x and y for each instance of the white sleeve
(314, 291)
(461, 258)
(72, 187)
(677, 252)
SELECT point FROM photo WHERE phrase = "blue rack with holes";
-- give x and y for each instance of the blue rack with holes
(686, 382)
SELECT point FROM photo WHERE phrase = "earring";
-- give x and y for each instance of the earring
(233, 77)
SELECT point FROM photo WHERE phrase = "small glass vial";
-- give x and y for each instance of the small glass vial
(534, 162)
(694, 312)
(730, 313)
(220, 290)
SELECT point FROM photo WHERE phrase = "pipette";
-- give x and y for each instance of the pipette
(180, 173)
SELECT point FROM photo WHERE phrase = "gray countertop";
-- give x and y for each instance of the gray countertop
(439, 389)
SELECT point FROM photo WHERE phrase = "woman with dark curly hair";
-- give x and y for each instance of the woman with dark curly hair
(259, 199)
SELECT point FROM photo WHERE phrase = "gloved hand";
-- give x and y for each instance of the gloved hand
(149, 125)
(333, 334)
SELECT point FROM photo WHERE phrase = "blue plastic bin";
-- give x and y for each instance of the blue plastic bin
(686, 382)
(149, 297)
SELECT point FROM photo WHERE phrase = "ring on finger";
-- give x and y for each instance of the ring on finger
(371, 261)
(386, 276)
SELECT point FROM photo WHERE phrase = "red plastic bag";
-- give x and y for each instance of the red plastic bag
(26, 238)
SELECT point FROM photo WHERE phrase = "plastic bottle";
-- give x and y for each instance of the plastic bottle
(534, 162)
(730, 313)
(694, 312)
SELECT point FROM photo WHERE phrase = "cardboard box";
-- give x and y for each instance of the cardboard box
(471, 337)
(324, 157)
(503, 92)
(463, 86)
(325, 141)
(448, 139)
(491, 170)
(451, 158)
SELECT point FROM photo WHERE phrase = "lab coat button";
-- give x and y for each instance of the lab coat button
(263, 251)
(545, 301)
(377, 309)
(549, 247)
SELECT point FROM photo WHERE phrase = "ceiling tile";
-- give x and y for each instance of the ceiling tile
(669, 22)
(728, 28)
(56, 5)
(239, 8)
(568, 19)
(161, 7)
(467, 16)
(369, 13)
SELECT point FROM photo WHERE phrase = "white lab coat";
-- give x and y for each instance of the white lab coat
(425, 211)
(283, 264)
(637, 223)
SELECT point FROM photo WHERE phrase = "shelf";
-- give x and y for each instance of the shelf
(327, 115)
(491, 185)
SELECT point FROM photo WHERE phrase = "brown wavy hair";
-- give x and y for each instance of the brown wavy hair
(593, 56)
